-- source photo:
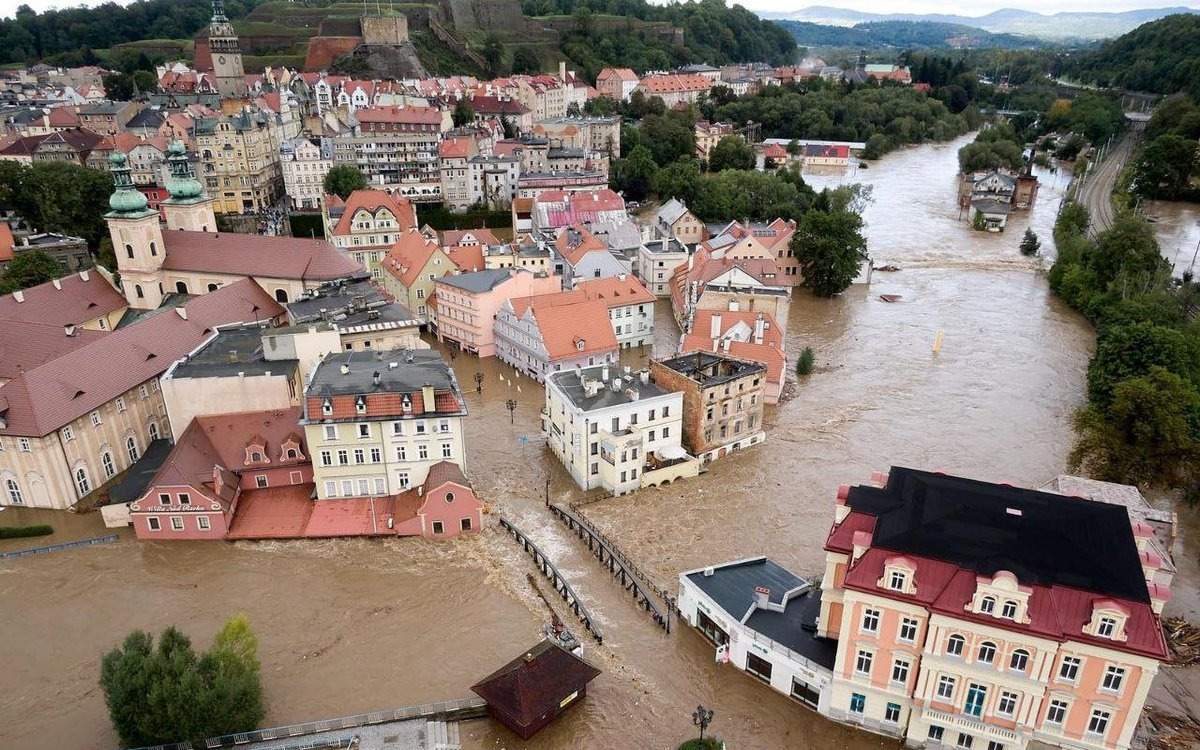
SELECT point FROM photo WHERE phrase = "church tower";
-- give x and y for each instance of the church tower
(226, 54)
(188, 207)
(136, 237)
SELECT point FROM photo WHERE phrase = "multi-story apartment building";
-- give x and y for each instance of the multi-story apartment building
(657, 261)
(674, 219)
(410, 270)
(965, 614)
(305, 162)
(616, 83)
(722, 401)
(675, 88)
(239, 161)
(597, 134)
(397, 149)
(368, 224)
(376, 421)
(454, 155)
(615, 430)
(550, 333)
(494, 180)
(467, 304)
(630, 307)
(107, 117)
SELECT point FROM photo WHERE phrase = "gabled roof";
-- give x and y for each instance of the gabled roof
(256, 255)
(402, 115)
(671, 211)
(409, 256)
(371, 201)
(573, 329)
(26, 345)
(615, 291)
(74, 300)
(624, 74)
(574, 242)
(45, 398)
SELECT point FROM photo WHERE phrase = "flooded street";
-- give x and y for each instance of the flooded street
(1178, 228)
(352, 626)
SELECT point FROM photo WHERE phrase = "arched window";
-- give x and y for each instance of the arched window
(129, 249)
(1009, 609)
(131, 447)
(153, 248)
(987, 652)
(14, 492)
(954, 646)
(212, 287)
(291, 453)
(181, 287)
(106, 461)
(987, 605)
(137, 289)
(154, 431)
(1019, 660)
(281, 295)
(82, 481)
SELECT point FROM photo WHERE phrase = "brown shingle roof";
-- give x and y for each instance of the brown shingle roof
(256, 255)
(535, 683)
(25, 345)
(53, 394)
(77, 300)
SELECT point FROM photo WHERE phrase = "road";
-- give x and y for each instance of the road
(1096, 191)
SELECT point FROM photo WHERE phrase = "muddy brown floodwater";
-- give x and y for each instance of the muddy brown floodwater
(352, 626)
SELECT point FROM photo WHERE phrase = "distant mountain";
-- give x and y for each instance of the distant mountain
(926, 34)
(1083, 25)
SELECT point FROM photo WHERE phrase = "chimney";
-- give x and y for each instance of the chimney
(759, 325)
(714, 330)
(19, 296)
(181, 312)
(562, 70)
(616, 385)
(762, 595)
(376, 378)
(345, 370)
(645, 375)
(579, 373)
(842, 508)
(862, 543)
(725, 345)
(1159, 596)
(83, 275)
(427, 398)
(57, 284)
(879, 478)
(69, 329)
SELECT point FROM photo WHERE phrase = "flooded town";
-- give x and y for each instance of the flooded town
(414, 500)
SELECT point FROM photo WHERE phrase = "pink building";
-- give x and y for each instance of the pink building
(467, 303)
(195, 492)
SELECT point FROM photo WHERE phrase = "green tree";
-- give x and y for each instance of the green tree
(830, 247)
(493, 54)
(343, 180)
(1165, 167)
(168, 694)
(679, 179)
(463, 113)
(525, 61)
(1127, 251)
(1148, 436)
(63, 197)
(28, 269)
(805, 362)
(634, 174)
(145, 81)
(731, 152)
(1030, 244)
(118, 86)
(670, 136)
(1132, 350)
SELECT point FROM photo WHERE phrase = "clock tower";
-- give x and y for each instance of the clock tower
(226, 54)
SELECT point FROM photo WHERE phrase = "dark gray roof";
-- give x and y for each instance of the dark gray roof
(348, 303)
(795, 627)
(234, 350)
(477, 281)
(570, 383)
(137, 477)
(991, 206)
(709, 369)
(400, 370)
(732, 585)
(146, 118)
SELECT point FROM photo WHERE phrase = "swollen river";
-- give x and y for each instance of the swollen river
(352, 626)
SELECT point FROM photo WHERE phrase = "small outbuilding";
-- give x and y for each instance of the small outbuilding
(532, 690)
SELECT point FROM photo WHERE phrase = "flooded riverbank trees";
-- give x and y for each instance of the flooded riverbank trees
(1142, 421)
(162, 693)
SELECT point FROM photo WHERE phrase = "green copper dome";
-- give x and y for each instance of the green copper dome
(126, 199)
(182, 185)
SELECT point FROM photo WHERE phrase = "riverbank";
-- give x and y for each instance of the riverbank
(349, 626)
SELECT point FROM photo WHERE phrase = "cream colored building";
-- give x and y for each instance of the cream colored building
(239, 160)
(304, 162)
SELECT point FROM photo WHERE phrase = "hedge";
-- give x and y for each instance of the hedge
(18, 532)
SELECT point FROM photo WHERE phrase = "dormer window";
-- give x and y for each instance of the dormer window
(256, 457)
(1107, 627)
(327, 407)
(899, 574)
(1009, 610)
(360, 404)
(897, 580)
(987, 605)
(1109, 619)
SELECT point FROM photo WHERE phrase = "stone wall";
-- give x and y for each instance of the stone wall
(384, 30)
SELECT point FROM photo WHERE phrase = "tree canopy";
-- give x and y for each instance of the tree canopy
(28, 269)
(731, 152)
(164, 694)
(1162, 57)
(343, 180)
(829, 242)
(58, 197)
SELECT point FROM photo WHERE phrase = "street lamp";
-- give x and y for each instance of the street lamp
(511, 405)
(702, 717)
(478, 382)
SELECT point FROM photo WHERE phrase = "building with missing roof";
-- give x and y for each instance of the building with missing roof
(965, 614)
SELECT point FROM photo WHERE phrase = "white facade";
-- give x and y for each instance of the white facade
(304, 170)
(602, 424)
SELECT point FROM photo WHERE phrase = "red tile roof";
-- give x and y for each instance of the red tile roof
(354, 516)
(53, 394)
(409, 256)
(570, 326)
(624, 74)
(230, 435)
(769, 353)
(272, 513)
(467, 257)
(78, 300)
(455, 237)
(6, 242)
(404, 115)
(371, 201)
(455, 148)
(575, 242)
(670, 84)
(26, 345)
(256, 255)
(616, 292)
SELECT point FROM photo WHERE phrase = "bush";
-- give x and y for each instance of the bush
(20, 532)
(804, 365)
(708, 743)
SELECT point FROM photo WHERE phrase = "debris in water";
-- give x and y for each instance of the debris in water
(888, 268)
(891, 297)
(1184, 639)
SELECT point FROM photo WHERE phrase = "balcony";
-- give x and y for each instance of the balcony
(970, 724)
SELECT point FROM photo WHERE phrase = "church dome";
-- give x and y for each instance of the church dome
(126, 198)
(182, 185)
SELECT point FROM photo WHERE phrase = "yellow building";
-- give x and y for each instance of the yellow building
(239, 160)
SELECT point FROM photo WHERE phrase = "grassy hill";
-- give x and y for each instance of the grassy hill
(907, 34)
(1161, 57)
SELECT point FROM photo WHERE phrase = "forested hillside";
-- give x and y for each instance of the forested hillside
(1162, 57)
(922, 34)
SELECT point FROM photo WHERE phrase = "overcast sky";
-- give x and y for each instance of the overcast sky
(962, 7)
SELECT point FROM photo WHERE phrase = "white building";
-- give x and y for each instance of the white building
(305, 163)
(657, 261)
(615, 430)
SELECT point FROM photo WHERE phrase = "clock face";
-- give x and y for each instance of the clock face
(221, 59)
